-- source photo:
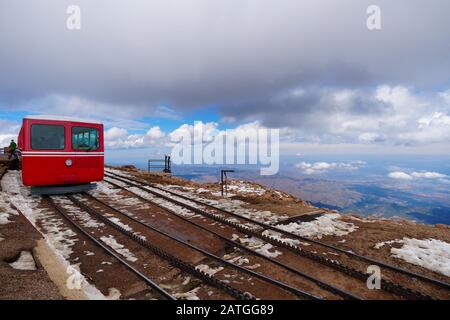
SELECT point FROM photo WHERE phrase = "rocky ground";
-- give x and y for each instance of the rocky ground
(35, 238)
(22, 278)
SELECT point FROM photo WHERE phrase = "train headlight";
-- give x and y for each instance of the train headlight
(68, 162)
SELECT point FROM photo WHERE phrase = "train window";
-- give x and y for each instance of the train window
(47, 137)
(84, 138)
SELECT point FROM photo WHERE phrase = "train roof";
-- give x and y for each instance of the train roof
(61, 118)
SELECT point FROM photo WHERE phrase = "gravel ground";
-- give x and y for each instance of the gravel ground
(19, 235)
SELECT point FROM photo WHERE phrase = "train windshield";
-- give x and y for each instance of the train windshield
(47, 137)
(84, 138)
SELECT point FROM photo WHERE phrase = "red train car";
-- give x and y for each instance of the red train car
(61, 154)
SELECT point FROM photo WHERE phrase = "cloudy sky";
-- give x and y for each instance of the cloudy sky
(310, 68)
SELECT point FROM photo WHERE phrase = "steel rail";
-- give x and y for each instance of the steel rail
(291, 289)
(149, 281)
(318, 282)
(385, 284)
(182, 265)
(292, 235)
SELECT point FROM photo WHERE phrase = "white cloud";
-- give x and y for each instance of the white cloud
(118, 138)
(428, 175)
(400, 175)
(199, 131)
(154, 133)
(387, 115)
(5, 139)
(322, 167)
(370, 137)
(115, 133)
(417, 175)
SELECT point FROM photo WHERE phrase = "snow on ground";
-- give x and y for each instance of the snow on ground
(235, 206)
(164, 203)
(119, 172)
(122, 202)
(57, 235)
(279, 236)
(24, 262)
(265, 250)
(380, 245)
(190, 295)
(119, 222)
(260, 246)
(104, 188)
(46, 221)
(86, 220)
(237, 260)
(430, 254)
(325, 225)
(237, 187)
(167, 194)
(112, 242)
(6, 210)
(364, 220)
(113, 294)
(208, 270)
(245, 187)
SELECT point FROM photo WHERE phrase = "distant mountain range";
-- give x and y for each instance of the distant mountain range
(424, 202)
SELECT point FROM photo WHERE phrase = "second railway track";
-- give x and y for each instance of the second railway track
(164, 255)
(211, 280)
(232, 219)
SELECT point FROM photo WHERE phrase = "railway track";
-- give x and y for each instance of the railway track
(326, 286)
(111, 252)
(223, 216)
(321, 284)
(206, 278)
(86, 207)
(163, 254)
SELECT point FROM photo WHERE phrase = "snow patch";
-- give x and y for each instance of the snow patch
(430, 254)
(239, 260)
(245, 187)
(7, 211)
(280, 237)
(112, 242)
(190, 295)
(380, 245)
(24, 262)
(265, 250)
(236, 206)
(325, 225)
(260, 247)
(113, 294)
(208, 270)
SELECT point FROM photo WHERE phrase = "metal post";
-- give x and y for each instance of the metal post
(223, 173)
(221, 180)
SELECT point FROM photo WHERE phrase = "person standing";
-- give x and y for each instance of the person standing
(12, 148)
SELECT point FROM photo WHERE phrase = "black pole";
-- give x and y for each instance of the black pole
(222, 174)
(221, 180)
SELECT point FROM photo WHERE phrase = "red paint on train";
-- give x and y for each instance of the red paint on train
(61, 151)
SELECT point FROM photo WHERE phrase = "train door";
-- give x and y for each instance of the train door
(86, 146)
